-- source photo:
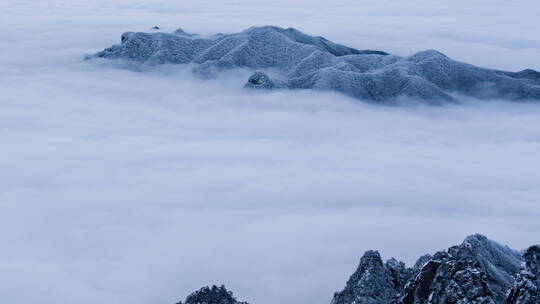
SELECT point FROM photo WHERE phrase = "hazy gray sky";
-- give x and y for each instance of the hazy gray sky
(119, 186)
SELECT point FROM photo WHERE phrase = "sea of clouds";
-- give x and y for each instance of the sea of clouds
(134, 186)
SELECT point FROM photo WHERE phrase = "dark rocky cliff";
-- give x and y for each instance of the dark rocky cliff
(477, 271)
(526, 289)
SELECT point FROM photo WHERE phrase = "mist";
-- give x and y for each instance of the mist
(139, 185)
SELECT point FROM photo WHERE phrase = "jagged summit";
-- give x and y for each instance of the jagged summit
(488, 252)
(478, 271)
(373, 281)
(313, 62)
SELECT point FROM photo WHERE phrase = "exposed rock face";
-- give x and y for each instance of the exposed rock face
(211, 295)
(527, 287)
(310, 62)
(374, 282)
(478, 271)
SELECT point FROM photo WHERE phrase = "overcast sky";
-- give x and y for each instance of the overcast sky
(121, 186)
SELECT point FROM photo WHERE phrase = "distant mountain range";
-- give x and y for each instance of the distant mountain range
(289, 59)
(478, 271)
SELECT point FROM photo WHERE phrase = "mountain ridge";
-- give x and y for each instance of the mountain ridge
(313, 62)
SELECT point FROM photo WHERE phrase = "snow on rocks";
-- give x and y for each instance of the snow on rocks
(313, 62)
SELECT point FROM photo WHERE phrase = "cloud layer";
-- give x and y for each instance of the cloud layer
(123, 186)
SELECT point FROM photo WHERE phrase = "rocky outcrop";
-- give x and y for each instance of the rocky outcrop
(260, 80)
(373, 281)
(478, 271)
(211, 295)
(526, 290)
(311, 62)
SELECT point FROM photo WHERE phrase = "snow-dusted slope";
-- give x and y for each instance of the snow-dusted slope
(527, 287)
(309, 62)
(478, 271)
(373, 281)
